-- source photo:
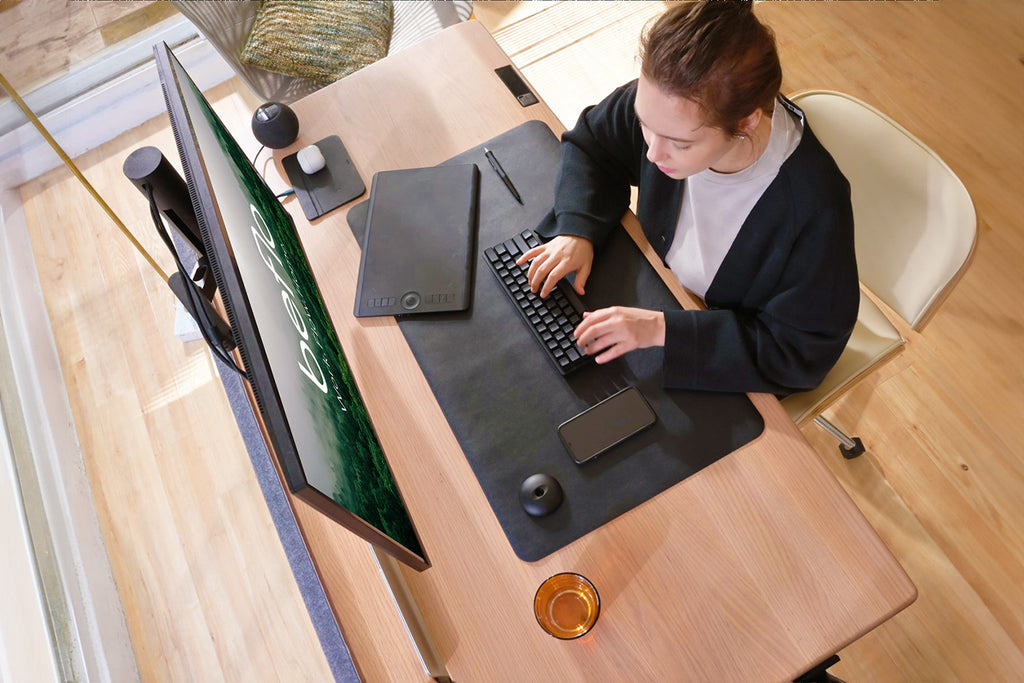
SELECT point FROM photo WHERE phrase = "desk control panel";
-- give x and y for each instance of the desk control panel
(515, 83)
(552, 319)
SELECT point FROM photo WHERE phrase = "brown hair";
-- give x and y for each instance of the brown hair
(716, 53)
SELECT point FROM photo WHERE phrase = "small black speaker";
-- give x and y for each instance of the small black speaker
(275, 125)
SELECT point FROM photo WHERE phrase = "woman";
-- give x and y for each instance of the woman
(735, 194)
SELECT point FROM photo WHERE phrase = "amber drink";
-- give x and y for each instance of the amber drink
(567, 605)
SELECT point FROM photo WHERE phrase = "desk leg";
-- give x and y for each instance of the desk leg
(820, 674)
(429, 656)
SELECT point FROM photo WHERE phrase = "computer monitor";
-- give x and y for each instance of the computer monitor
(315, 419)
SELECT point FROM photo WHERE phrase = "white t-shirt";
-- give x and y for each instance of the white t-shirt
(715, 205)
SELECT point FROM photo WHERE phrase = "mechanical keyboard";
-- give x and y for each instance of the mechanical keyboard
(553, 319)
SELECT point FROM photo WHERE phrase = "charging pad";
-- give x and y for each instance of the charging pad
(335, 184)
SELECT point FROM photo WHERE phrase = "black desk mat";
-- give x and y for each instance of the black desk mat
(504, 400)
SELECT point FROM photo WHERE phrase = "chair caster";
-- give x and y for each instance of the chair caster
(852, 452)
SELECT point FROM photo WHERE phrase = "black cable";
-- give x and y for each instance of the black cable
(280, 195)
(194, 305)
(258, 153)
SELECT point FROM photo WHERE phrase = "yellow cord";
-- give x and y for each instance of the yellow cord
(74, 169)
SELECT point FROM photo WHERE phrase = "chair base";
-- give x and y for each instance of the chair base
(849, 446)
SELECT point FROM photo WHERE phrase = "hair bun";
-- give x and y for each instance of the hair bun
(716, 53)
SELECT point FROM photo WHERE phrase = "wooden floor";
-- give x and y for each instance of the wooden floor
(205, 585)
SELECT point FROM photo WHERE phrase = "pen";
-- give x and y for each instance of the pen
(501, 174)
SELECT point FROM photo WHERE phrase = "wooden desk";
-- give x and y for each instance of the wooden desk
(756, 568)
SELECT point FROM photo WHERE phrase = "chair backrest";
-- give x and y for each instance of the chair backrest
(914, 221)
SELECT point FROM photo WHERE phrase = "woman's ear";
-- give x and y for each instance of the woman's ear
(748, 124)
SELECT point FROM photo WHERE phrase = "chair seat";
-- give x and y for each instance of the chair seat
(873, 339)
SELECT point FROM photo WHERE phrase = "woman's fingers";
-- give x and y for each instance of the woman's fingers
(562, 256)
(608, 333)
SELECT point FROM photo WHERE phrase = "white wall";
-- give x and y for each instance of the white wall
(25, 651)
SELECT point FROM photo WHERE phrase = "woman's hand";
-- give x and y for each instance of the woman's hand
(608, 333)
(555, 259)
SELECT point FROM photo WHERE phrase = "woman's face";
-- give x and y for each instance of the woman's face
(678, 141)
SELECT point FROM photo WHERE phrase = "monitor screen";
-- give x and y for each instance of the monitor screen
(315, 419)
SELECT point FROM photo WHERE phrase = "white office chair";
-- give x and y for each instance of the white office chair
(915, 230)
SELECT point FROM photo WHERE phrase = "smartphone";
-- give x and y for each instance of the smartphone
(606, 424)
